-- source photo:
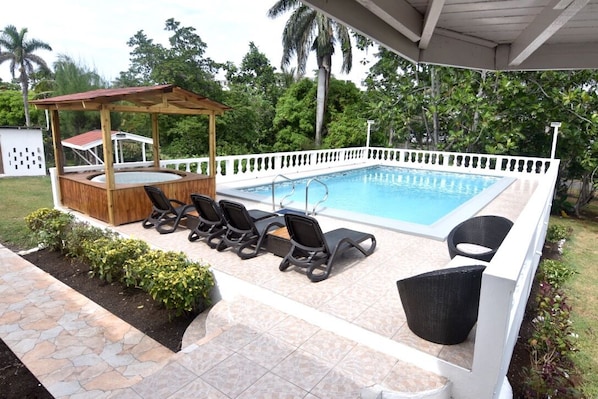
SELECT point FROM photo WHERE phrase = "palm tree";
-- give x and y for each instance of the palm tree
(308, 30)
(20, 53)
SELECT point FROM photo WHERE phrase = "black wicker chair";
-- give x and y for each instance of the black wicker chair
(442, 306)
(486, 232)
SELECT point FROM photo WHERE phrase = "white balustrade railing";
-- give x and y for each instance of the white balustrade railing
(506, 282)
(245, 167)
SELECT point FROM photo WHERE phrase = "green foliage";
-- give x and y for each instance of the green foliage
(81, 236)
(19, 51)
(107, 256)
(72, 77)
(295, 116)
(552, 342)
(557, 232)
(11, 108)
(171, 279)
(554, 272)
(49, 227)
(183, 63)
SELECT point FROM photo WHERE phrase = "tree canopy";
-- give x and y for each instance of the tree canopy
(20, 52)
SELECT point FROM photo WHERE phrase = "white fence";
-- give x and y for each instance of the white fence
(506, 282)
(244, 167)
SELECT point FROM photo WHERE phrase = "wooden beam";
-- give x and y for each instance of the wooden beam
(430, 22)
(212, 144)
(547, 23)
(156, 140)
(363, 21)
(159, 109)
(108, 161)
(399, 14)
(57, 143)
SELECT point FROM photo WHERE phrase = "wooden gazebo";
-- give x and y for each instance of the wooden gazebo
(117, 205)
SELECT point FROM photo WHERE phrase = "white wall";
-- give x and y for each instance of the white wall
(22, 152)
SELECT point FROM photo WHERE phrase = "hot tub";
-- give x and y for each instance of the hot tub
(87, 192)
(138, 177)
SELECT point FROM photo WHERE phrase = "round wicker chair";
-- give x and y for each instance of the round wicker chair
(441, 306)
(485, 232)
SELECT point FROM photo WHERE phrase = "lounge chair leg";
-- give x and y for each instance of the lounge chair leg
(284, 265)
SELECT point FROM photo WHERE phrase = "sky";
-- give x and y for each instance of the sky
(95, 34)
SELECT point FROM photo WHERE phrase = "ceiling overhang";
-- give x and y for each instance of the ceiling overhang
(490, 35)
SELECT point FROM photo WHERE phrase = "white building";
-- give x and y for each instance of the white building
(22, 152)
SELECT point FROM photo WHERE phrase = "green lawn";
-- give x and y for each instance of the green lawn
(18, 197)
(581, 253)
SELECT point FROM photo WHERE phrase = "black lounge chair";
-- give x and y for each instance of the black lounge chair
(212, 224)
(486, 232)
(442, 306)
(166, 212)
(311, 248)
(244, 234)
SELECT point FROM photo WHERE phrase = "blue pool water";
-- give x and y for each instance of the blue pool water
(406, 195)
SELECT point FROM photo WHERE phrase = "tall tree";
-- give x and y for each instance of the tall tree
(20, 53)
(182, 63)
(308, 30)
(75, 77)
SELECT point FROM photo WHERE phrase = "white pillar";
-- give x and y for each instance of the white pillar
(367, 141)
(555, 134)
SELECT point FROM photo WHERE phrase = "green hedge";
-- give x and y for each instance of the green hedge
(179, 284)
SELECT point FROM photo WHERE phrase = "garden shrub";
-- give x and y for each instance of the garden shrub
(80, 235)
(171, 279)
(553, 340)
(108, 256)
(49, 227)
(557, 232)
(554, 272)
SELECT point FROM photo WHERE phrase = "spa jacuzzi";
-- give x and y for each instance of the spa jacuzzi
(86, 192)
(138, 177)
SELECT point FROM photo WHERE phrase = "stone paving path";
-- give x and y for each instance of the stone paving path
(73, 346)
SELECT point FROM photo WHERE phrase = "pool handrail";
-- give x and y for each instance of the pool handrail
(307, 195)
(286, 196)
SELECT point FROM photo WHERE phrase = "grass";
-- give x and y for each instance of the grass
(20, 196)
(581, 253)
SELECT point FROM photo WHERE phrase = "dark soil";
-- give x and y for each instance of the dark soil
(521, 359)
(132, 305)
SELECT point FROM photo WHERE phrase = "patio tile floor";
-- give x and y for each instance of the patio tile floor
(273, 335)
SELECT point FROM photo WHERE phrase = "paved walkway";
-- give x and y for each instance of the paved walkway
(274, 334)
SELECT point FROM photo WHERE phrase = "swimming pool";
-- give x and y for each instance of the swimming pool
(417, 201)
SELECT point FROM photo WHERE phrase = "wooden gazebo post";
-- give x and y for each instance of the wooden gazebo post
(156, 140)
(57, 142)
(212, 144)
(108, 160)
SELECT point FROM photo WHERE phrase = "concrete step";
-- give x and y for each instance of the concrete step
(276, 340)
